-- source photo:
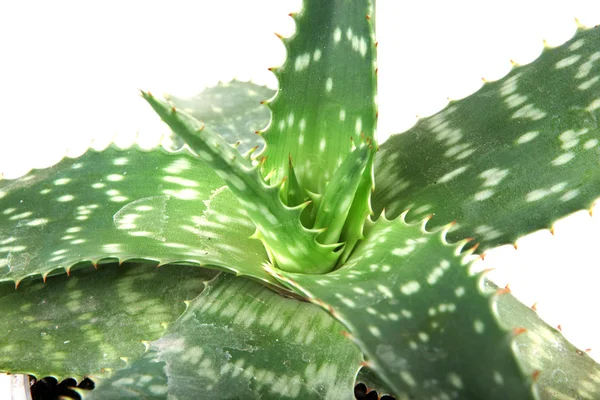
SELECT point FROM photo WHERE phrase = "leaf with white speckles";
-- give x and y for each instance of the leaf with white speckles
(255, 345)
(93, 321)
(425, 326)
(233, 109)
(327, 94)
(124, 204)
(508, 160)
(291, 245)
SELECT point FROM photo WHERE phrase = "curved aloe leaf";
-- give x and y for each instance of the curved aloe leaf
(339, 195)
(107, 204)
(92, 322)
(291, 245)
(425, 324)
(327, 93)
(238, 340)
(234, 109)
(508, 160)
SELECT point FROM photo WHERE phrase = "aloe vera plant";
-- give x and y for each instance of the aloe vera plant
(309, 210)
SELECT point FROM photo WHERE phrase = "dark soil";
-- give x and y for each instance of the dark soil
(49, 389)
(361, 392)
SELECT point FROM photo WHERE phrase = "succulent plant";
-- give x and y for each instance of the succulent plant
(308, 256)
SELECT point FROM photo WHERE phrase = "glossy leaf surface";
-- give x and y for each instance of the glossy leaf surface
(253, 345)
(508, 160)
(561, 370)
(92, 322)
(421, 319)
(232, 109)
(125, 204)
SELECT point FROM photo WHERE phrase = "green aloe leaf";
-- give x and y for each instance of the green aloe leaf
(234, 109)
(327, 91)
(291, 245)
(562, 371)
(338, 196)
(92, 322)
(238, 340)
(424, 323)
(360, 210)
(125, 204)
(510, 159)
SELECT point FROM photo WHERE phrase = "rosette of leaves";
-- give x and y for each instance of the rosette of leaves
(338, 257)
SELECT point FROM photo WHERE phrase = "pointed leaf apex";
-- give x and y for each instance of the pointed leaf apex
(278, 35)
(283, 180)
(305, 204)
(425, 221)
(472, 250)
(269, 175)
(320, 230)
(248, 153)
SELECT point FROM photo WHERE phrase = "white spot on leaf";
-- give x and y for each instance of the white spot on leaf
(410, 288)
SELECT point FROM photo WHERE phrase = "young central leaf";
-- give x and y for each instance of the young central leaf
(339, 194)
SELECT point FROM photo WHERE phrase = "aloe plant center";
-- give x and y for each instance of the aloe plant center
(308, 192)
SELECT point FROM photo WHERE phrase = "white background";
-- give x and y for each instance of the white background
(69, 73)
